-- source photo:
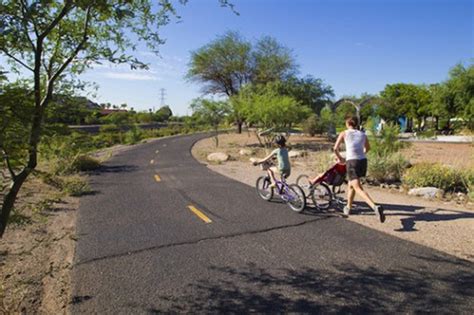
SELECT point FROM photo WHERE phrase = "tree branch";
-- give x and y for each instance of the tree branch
(16, 59)
(71, 57)
(25, 12)
(9, 166)
(65, 10)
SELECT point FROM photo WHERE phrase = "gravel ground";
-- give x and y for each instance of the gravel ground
(442, 225)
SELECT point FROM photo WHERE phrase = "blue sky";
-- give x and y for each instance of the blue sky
(354, 46)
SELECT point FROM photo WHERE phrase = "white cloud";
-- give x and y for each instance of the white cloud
(131, 76)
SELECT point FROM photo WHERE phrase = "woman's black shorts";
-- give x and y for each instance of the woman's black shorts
(356, 168)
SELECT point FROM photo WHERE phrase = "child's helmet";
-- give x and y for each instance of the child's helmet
(280, 140)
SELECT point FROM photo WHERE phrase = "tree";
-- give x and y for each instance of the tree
(263, 105)
(402, 99)
(54, 40)
(230, 62)
(163, 114)
(456, 95)
(223, 65)
(210, 112)
(309, 91)
(272, 61)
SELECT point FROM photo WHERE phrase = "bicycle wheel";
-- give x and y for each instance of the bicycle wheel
(263, 188)
(303, 182)
(295, 198)
(321, 196)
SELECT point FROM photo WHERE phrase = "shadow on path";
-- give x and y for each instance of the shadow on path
(346, 289)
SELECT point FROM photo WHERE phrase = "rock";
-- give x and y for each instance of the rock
(218, 157)
(393, 186)
(426, 192)
(246, 152)
(296, 153)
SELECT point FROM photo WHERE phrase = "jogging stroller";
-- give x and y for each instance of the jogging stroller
(320, 193)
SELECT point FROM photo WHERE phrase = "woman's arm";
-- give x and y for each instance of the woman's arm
(339, 140)
(366, 144)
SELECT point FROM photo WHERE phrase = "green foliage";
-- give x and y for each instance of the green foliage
(343, 111)
(76, 186)
(313, 125)
(163, 114)
(266, 107)
(455, 96)
(84, 163)
(119, 119)
(308, 91)
(386, 164)
(386, 142)
(229, 62)
(272, 61)
(440, 176)
(388, 168)
(16, 106)
(134, 135)
(210, 112)
(65, 154)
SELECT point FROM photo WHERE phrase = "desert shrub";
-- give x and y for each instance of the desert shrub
(109, 135)
(75, 186)
(134, 135)
(386, 142)
(386, 163)
(313, 125)
(387, 168)
(440, 176)
(84, 163)
(427, 134)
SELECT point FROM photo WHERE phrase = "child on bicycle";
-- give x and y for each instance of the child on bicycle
(284, 167)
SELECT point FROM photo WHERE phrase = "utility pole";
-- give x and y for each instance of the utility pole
(162, 96)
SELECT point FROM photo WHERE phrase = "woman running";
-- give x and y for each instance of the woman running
(357, 145)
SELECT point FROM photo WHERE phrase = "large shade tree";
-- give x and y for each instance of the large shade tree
(230, 62)
(48, 42)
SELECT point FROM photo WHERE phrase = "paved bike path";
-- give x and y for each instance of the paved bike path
(141, 249)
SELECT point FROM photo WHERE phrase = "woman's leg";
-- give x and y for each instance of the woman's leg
(350, 195)
(357, 188)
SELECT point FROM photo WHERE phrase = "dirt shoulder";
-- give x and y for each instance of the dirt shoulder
(37, 250)
(443, 225)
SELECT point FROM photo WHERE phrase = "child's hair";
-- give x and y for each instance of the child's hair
(280, 140)
(352, 121)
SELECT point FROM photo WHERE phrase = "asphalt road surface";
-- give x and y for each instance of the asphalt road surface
(163, 233)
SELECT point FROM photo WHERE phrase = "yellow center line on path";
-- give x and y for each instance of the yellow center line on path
(157, 178)
(201, 215)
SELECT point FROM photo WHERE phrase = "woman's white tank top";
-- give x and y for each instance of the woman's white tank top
(355, 143)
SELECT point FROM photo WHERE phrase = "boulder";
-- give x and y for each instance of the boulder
(252, 159)
(246, 152)
(218, 157)
(296, 153)
(426, 192)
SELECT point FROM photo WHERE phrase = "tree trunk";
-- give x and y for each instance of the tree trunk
(239, 126)
(436, 123)
(18, 180)
(9, 199)
(217, 136)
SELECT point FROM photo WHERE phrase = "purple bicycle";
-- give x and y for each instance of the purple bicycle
(291, 194)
